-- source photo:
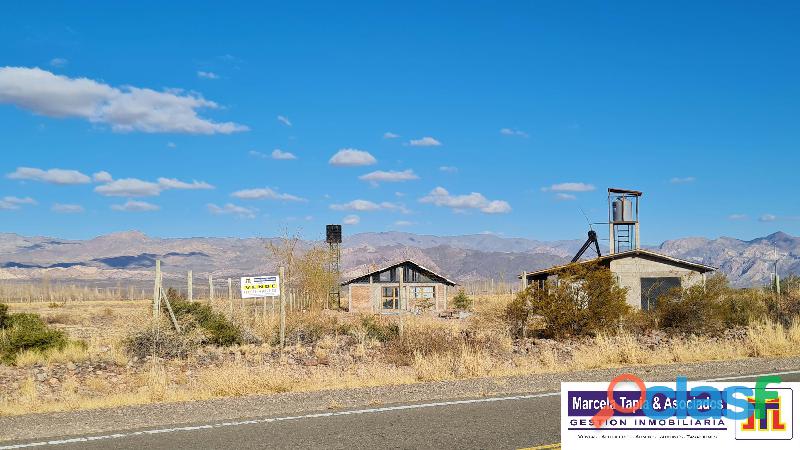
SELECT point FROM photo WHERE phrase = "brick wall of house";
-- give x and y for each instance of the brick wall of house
(360, 298)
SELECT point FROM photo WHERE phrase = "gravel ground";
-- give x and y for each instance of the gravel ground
(38, 426)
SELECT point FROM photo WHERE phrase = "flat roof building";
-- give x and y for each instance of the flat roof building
(646, 274)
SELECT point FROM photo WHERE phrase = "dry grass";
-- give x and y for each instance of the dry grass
(429, 349)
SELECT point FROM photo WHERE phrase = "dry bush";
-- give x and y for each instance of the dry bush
(162, 341)
(709, 308)
(307, 269)
(640, 321)
(587, 300)
(426, 337)
(308, 327)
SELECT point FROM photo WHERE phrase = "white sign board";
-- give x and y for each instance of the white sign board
(266, 286)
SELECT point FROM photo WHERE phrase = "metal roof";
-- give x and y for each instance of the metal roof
(407, 261)
(702, 268)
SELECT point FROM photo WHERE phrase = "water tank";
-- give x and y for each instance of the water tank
(622, 210)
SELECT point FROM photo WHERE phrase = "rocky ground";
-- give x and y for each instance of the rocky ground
(105, 420)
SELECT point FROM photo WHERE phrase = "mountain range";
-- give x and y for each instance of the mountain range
(131, 255)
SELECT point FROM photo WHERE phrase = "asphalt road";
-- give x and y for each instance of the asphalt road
(500, 422)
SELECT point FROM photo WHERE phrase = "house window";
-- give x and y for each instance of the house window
(654, 288)
(387, 276)
(411, 275)
(390, 297)
(424, 292)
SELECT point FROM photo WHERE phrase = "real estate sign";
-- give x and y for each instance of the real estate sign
(265, 286)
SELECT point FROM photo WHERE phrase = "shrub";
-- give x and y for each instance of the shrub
(424, 336)
(218, 330)
(462, 301)
(587, 300)
(162, 341)
(22, 332)
(3, 315)
(310, 327)
(379, 328)
(786, 308)
(710, 308)
(641, 321)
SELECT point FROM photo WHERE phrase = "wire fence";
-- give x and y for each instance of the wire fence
(222, 292)
(201, 288)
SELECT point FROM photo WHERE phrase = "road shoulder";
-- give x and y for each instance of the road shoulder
(43, 426)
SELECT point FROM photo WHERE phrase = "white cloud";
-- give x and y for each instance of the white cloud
(102, 177)
(366, 205)
(65, 208)
(129, 187)
(474, 200)
(230, 208)
(683, 180)
(426, 141)
(265, 193)
(738, 217)
(403, 223)
(54, 176)
(10, 202)
(125, 108)
(563, 196)
(284, 120)
(357, 205)
(390, 135)
(351, 219)
(448, 169)
(513, 132)
(768, 218)
(207, 75)
(171, 145)
(59, 62)
(280, 154)
(351, 157)
(257, 154)
(569, 187)
(135, 206)
(134, 187)
(392, 176)
(172, 183)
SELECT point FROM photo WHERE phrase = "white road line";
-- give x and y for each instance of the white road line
(318, 415)
(738, 377)
(275, 419)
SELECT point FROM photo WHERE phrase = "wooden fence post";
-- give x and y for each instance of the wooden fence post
(230, 297)
(189, 283)
(282, 285)
(157, 289)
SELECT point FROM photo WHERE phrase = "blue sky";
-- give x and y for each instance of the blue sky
(509, 117)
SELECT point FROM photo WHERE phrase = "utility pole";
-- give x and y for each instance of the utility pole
(210, 288)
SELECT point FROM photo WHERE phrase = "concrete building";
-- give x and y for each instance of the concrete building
(646, 274)
(398, 287)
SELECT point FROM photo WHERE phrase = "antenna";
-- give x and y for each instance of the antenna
(587, 218)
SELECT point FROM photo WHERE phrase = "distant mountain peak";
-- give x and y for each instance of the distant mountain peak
(131, 235)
